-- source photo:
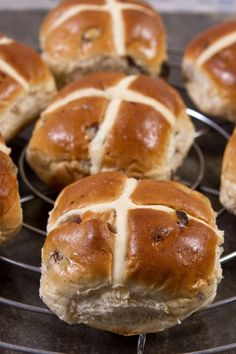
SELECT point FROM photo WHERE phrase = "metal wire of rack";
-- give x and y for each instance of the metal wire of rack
(45, 197)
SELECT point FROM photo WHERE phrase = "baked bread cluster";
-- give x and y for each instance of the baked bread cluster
(80, 36)
(129, 256)
(10, 209)
(209, 70)
(110, 121)
(26, 86)
(123, 253)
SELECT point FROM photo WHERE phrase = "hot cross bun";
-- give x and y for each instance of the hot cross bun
(10, 209)
(81, 36)
(228, 176)
(130, 256)
(209, 69)
(110, 121)
(26, 86)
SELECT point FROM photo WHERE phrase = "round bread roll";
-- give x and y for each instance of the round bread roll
(130, 256)
(110, 121)
(209, 69)
(81, 36)
(26, 86)
(228, 176)
(10, 209)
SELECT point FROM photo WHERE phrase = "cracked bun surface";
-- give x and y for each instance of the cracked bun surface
(80, 36)
(130, 256)
(10, 209)
(228, 176)
(111, 121)
(26, 86)
(209, 70)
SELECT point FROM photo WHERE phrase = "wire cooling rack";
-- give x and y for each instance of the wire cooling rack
(34, 191)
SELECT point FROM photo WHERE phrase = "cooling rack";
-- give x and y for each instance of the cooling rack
(193, 174)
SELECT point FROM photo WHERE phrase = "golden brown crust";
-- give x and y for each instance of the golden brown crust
(62, 7)
(228, 176)
(89, 34)
(221, 67)
(102, 188)
(26, 62)
(9, 90)
(1, 139)
(163, 254)
(8, 186)
(145, 38)
(229, 161)
(167, 250)
(26, 86)
(174, 195)
(137, 142)
(10, 209)
(63, 135)
(99, 81)
(67, 42)
(125, 150)
(203, 40)
(223, 70)
(160, 91)
(78, 249)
